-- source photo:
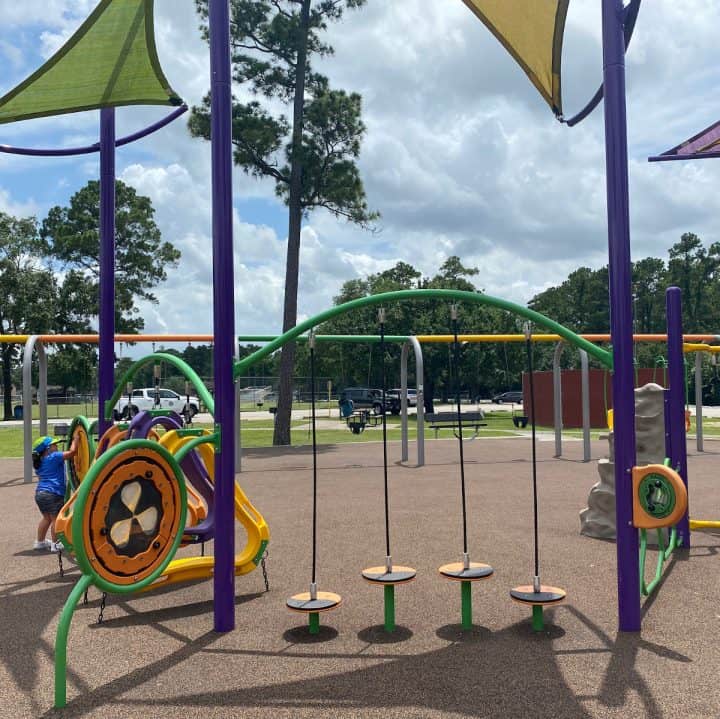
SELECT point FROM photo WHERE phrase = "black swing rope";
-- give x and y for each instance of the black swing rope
(381, 318)
(528, 349)
(314, 454)
(456, 369)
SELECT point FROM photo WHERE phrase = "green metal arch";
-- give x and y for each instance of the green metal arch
(183, 366)
(603, 356)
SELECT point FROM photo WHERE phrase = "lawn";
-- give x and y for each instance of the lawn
(258, 433)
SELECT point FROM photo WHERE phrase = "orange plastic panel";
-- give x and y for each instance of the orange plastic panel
(642, 518)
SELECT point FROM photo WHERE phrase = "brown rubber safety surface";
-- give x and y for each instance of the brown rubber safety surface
(157, 656)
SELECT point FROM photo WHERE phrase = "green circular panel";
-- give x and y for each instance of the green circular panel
(657, 496)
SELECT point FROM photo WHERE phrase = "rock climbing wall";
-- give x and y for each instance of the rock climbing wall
(598, 518)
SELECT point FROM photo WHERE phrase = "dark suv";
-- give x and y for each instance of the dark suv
(514, 397)
(364, 398)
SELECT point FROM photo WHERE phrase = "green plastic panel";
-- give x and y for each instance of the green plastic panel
(110, 61)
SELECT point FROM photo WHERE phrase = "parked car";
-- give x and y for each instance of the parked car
(364, 398)
(514, 397)
(411, 395)
(144, 399)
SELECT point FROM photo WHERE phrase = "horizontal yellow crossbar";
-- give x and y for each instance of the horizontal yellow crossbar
(704, 524)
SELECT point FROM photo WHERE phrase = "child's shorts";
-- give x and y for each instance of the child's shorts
(49, 502)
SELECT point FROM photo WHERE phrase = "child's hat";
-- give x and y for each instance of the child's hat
(42, 443)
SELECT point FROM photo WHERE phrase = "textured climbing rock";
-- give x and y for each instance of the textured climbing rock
(598, 518)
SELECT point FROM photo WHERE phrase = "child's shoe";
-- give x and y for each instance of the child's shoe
(41, 544)
(56, 547)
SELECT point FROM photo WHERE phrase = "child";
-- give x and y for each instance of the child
(49, 464)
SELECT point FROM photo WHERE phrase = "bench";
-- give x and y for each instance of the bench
(449, 420)
(358, 420)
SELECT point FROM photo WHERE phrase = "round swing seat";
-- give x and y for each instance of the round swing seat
(546, 595)
(324, 602)
(380, 575)
(457, 572)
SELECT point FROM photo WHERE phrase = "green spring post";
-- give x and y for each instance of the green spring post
(537, 618)
(389, 607)
(61, 640)
(314, 623)
(466, 593)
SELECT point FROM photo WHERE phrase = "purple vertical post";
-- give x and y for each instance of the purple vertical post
(676, 397)
(106, 319)
(223, 313)
(621, 326)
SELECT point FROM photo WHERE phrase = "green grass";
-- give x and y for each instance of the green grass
(258, 433)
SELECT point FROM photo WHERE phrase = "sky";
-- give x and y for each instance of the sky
(461, 155)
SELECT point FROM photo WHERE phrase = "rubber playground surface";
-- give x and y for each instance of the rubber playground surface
(156, 655)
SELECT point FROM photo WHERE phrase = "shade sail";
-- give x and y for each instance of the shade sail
(110, 61)
(532, 32)
(705, 144)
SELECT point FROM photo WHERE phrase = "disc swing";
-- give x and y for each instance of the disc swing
(536, 595)
(390, 574)
(313, 602)
(465, 572)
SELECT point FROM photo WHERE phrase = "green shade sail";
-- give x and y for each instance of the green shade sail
(110, 61)
(532, 32)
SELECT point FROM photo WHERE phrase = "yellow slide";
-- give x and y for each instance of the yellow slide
(189, 569)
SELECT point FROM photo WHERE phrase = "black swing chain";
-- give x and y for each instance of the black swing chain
(60, 563)
(101, 613)
(531, 383)
(381, 320)
(263, 566)
(456, 372)
(314, 454)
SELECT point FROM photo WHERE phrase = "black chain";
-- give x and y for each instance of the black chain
(102, 608)
(60, 563)
(85, 598)
(264, 571)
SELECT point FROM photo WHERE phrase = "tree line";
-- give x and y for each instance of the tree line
(49, 274)
(580, 302)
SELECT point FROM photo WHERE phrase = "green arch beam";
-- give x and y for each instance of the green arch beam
(183, 366)
(603, 356)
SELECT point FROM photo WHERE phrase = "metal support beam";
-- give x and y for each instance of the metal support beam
(557, 398)
(698, 402)
(585, 384)
(420, 416)
(33, 343)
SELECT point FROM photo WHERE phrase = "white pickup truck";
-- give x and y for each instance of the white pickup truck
(150, 398)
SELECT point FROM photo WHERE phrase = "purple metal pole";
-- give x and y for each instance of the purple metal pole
(676, 396)
(89, 149)
(106, 321)
(224, 313)
(621, 329)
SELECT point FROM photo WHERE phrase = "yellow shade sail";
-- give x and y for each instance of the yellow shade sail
(532, 32)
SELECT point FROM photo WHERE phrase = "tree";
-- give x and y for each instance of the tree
(580, 302)
(696, 271)
(311, 158)
(28, 293)
(70, 237)
(649, 282)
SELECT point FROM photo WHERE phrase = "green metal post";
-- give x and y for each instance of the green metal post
(61, 640)
(314, 623)
(389, 607)
(466, 592)
(537, 618)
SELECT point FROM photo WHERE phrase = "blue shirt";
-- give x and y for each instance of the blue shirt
(52, 474)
